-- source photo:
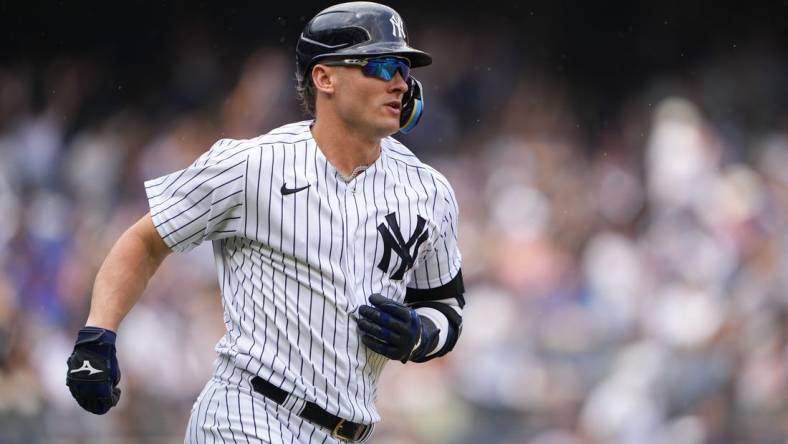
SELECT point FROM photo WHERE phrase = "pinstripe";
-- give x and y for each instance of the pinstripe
(289, 415)
(398, 201)
(227, 404)
(215, 423)
(363, 177)
(207, 405)
(421, 182)
(351, 259)
(284, 296)
(372, 358)
(246, 233)
(289, 134)
(367, 197)
(322, 291)
(440, 273)
(262, 271)
(300, 427)
(311, 293)
(407, 199)
(198, 185)
(365, 204)
(238, 287)
(213, 437)
(375, 205)
(369, 360)
(170, 233)
(214, 150)
(295, 267)
(207, 194)
(412, 202)
(333, 285)
(347, 309)
(241, 318)
(268, 242)
(223, 270)
(401, 153)
(380, 360)
(227, 302)
(267, 423)
(273, 293)
(254, 415)
(279, 421)
(153, 183)
(225, 220)
(247, 405)
(312, 434)
(175, 179)
(229, 208)
(262, 267)
(246, 204)
(343, 245)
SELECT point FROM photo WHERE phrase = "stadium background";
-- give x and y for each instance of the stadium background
(622, 174)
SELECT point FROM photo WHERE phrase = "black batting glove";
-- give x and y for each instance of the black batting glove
(93, 372)
(395, 330)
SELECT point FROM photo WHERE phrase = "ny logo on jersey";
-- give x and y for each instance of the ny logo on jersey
(393, 240)
(398, 28)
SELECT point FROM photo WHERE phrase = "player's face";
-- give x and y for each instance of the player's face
(369, 102)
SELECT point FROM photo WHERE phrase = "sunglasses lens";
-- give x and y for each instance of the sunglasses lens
(386, 69)
(404, 69)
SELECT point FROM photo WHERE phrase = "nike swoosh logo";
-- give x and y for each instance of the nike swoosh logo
(86, 367)
(285, 191)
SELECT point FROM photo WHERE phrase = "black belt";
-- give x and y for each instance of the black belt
(340, 428)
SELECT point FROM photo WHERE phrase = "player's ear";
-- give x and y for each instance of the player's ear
(323, 78)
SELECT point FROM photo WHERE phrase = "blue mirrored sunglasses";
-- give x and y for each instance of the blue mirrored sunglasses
(384, 68)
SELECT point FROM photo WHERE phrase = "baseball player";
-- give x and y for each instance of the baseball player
(335, 247)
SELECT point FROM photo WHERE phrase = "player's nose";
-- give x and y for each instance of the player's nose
(398, 84)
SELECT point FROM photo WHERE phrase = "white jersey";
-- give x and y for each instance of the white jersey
(298, 250)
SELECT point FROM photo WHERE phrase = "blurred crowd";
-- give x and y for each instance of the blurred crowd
(630, 287)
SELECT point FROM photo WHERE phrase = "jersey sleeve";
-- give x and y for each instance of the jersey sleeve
(205, 201)
(442, 260)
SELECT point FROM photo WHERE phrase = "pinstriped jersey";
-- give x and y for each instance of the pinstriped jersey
(298, 249)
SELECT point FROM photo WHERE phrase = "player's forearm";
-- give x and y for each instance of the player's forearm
(443, 307)
(125, 273)
(446, 317)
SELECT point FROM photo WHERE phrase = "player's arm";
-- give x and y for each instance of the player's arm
(93, 372)
(125, 273)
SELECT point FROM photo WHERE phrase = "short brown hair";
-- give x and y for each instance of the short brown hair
(306, 95)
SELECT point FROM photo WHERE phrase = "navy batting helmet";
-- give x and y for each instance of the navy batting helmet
(364, 29)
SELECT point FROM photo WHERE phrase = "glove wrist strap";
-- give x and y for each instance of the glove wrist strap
(96, 335)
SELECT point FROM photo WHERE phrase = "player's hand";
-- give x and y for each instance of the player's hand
(395, 330)
(93, 372)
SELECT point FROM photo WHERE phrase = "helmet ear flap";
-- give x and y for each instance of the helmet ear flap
(412, 106)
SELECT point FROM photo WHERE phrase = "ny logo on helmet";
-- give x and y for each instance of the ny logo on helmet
(397, 27)
(392, 240)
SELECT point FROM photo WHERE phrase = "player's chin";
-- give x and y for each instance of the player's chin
(389, 123)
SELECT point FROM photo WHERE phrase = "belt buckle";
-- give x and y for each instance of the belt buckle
(337, 433)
